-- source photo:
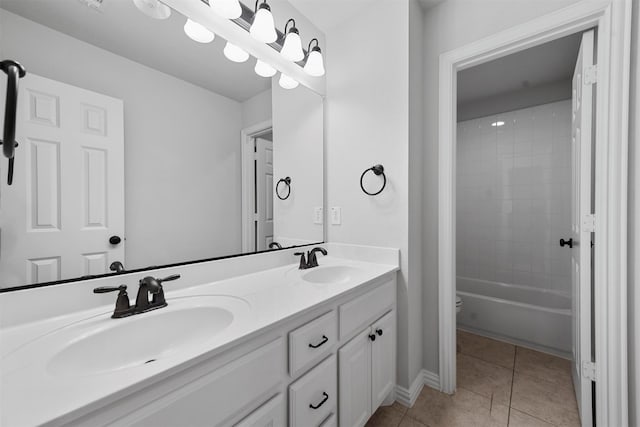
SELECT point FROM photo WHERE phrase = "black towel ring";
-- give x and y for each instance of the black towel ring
(287, 181)
(377, 170)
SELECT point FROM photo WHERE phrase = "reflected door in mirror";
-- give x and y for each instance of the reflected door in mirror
(68, 192)
(264, 192)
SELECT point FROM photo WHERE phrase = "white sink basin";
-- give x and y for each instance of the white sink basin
(331, 274)
(100, 344)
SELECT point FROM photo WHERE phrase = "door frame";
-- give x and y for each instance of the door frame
(611, 149)
(246, 155)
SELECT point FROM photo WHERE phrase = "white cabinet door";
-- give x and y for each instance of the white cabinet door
(355, 381)
(271, 414)
(383, 359)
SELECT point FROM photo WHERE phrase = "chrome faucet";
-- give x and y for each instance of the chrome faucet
(311, 259)
(148, 286)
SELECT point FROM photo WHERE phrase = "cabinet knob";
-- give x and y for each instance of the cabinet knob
(379, 331)
(372, 337)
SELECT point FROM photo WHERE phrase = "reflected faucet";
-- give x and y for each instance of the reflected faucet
(275, 245)
(117, 267)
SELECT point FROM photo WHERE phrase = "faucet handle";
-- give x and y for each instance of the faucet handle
(169, 278)
(303, 260)
(105, 289)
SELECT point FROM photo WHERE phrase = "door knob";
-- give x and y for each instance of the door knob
(379, 331)
(564, 243)
(115, 240)
(372, 337)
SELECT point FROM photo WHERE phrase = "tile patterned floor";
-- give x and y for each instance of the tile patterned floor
(499, 385)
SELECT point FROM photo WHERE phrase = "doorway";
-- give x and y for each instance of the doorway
(609, 330)
(257, 188)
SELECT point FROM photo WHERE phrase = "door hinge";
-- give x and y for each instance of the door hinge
(589, 370)
(589, 223)
(591, 75)
(255, 217)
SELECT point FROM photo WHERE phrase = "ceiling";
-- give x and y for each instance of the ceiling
(326, 14)
(547, 63)
(121, 28)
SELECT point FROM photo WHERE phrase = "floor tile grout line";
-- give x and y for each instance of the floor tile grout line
(513, 377)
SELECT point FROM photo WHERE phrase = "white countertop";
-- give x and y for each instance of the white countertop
(30, 394)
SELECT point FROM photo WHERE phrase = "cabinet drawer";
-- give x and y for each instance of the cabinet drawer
(360, 312)
(311, 342)
(271, 414)
(332, 421)
(313, 397)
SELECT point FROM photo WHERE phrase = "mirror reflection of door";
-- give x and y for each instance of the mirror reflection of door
(56, 220)
(263, 191)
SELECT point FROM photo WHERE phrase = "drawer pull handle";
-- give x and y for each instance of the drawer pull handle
(379, 331)
(372, 337)
(326, 397)
(324, 340)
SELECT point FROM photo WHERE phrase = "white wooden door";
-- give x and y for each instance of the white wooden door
(583, 86)
(354, 360)
(264, 193)
(383, 359)
(67, 196)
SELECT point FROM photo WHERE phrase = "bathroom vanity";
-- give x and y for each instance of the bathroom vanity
(277, 347)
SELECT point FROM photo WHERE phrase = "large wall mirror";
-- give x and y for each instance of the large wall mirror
(141, 146)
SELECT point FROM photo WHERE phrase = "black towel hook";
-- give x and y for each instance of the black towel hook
(287, 182)
(377, 170)
(14, 72)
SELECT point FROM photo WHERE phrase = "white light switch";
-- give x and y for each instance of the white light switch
(336, 215)
(317, 215)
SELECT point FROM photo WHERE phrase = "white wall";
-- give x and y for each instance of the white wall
(514, 197)
(634, 226)
(257, 109)
(515, 100)
(368, 123)
(167, 217)
(449, 25)
(298, 153)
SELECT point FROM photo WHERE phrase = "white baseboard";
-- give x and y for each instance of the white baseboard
(408, 397)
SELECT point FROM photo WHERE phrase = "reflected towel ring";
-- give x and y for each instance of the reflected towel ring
(287, 181)
(377, 170)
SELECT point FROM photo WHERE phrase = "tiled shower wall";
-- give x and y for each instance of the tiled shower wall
(513, 197)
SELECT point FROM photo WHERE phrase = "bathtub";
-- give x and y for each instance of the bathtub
(523, 315)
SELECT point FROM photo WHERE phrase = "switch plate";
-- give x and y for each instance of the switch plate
(317, 215)
(336, 215)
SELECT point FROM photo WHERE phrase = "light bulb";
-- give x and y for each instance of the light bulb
(287, 82)
(292, 48)
(153, 8)
(315, 64)
(229, 9)
(197, 32)
(264, 70)
(234, 53)
(263, 29)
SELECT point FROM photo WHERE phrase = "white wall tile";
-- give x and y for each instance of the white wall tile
(513, 193)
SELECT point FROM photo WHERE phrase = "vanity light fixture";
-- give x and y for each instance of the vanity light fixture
(497, 124)
(234, 53)
(315, 64)
(263, 28)
(197, 32)
(287, 82)
(153, 8)
(292, 47)
(264, 70)
(229, 9)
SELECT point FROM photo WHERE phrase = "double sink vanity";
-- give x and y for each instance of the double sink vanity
(279, 346)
